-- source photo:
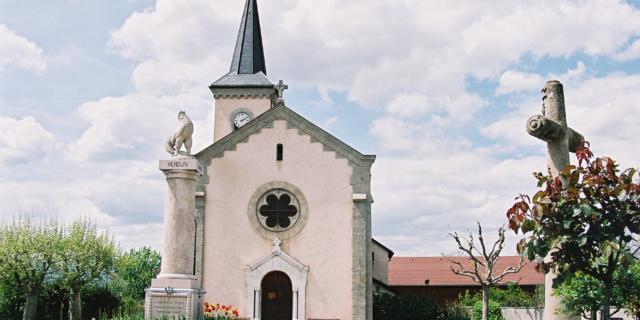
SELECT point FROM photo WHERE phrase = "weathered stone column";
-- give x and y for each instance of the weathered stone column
(175, 292)
(552, 128)
(179, 217)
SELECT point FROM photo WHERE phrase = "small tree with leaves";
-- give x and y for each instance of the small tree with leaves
(29, 254)
(631, 279)
(583, 294)
(585, 219)
(483, 263)
(134, 271)
(88, 256)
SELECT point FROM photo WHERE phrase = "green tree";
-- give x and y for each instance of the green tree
(583, 294)
(88, 256)
(134, 271)
(10, 301)
(29, 253)
(630, 282)
(585, 219)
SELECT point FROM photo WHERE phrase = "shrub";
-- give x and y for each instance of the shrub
(456, 312)
(511, 296)
(494, 311)
(407, 307)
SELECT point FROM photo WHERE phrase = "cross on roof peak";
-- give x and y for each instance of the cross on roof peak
(280, 88)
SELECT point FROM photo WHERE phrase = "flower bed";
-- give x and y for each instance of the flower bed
(220, 312)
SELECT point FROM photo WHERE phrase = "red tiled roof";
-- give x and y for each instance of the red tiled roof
(413, 271)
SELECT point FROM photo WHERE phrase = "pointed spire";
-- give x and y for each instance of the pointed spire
(248, 68)
(248, 57)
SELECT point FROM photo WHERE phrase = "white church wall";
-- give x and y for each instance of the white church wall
(324, 244)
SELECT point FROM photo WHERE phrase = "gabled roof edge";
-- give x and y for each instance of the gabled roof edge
(265, 120)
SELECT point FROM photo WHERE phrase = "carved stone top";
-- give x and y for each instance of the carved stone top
(552, 128)
(181, 137)
(553, 102)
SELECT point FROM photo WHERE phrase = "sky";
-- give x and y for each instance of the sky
(438, 90)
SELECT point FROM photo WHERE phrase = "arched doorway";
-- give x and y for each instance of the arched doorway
(277, 296)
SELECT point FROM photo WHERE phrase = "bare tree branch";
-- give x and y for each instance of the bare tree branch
(466, 249)
(484, 249)
(487, 259)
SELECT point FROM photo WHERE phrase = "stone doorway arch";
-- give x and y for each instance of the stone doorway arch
(280, 262)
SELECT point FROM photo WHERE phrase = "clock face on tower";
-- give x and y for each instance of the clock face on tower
(240, 118)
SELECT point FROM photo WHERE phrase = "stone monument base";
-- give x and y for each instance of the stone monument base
(172, 298)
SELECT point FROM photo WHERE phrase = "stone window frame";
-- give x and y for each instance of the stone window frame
(252, 210)
(293, 219)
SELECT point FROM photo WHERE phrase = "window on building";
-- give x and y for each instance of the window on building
(279, 152)
(278, 210)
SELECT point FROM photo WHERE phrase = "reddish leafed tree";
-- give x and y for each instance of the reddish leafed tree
(586, 219)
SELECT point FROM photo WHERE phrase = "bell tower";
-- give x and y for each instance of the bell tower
(245, 92)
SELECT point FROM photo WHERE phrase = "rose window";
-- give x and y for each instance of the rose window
(278, 210)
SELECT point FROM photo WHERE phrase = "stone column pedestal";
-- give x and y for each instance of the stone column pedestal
(176, 292)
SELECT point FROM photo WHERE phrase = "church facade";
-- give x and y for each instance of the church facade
(283, 209)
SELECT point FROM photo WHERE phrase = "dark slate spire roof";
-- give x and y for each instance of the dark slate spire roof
(247, 66)
(249, 56)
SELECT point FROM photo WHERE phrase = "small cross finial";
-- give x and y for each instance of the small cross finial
(280, 88)
(276, 246)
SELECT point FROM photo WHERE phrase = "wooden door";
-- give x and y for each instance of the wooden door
(277, 297)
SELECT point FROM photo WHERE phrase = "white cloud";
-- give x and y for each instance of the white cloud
(417, 47)
(135, 235)
(510, 128)
(395, 133)
(552, 29)
(420, 197)
(135, 126)
(630, 53)
(513, 81)
(330, 122)
(414, 63)
(122, 197)
(18, 52)
(61, 200)
(576, 74)
(24, 141)
(413, 106)
(410, 59)
(185, 30)
(604, 109)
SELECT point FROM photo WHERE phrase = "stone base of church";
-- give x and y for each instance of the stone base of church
(175, 298)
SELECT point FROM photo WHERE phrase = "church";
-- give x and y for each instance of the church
(283, 208)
